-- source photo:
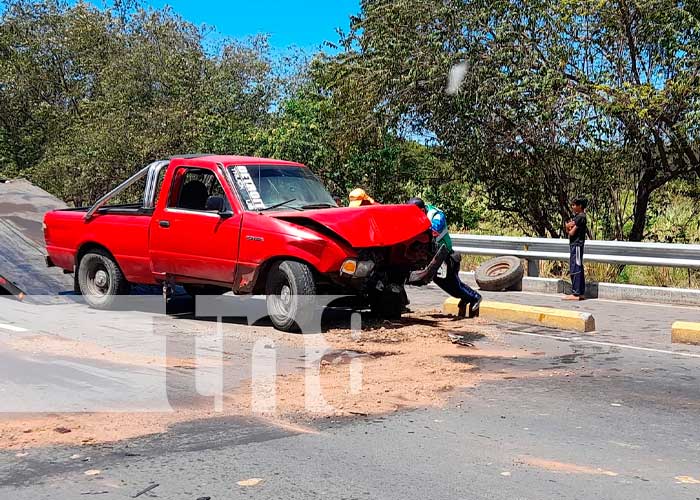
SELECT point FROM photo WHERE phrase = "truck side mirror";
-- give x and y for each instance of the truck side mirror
(218, 204)
(214, 204)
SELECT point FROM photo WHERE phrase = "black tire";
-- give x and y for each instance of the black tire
(389, 305)
(387, 309)
(194, 290)
(291, 297)
(499, 274)
(100, 280)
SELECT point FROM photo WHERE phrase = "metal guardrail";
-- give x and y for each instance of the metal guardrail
(609, 252)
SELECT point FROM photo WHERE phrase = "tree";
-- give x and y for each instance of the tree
(88, 96)
(637, 67)
(558, 98)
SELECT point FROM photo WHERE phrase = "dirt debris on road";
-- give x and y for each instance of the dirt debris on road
(405, 364)
(563, 467)
(409, 363)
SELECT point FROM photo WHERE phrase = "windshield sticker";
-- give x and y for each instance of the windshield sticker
(248, 188)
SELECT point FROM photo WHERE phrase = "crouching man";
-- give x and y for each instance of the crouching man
(449, 281)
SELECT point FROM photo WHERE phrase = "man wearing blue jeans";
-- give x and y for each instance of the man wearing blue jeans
(450, 281)
(577, 228)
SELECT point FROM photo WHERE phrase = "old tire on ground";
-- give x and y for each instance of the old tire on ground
(100, 280)
(291, 297)
(499, 274)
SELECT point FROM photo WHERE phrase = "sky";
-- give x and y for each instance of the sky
(303, 23)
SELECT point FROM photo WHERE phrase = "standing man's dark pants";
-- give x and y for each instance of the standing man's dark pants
(578, 276)
(453, 285)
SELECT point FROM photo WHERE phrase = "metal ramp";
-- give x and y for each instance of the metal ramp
(22, 256)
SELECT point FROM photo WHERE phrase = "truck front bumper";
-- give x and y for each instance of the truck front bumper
(427, 275)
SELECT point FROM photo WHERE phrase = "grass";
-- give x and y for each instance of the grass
(678, 222)
(609, 273)
(633, 275)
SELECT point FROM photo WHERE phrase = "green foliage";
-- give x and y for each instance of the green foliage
(300, 131)
(88, 96)
(674, 216)
(558, 98)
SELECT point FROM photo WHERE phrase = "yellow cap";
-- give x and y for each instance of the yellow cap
(359, 197)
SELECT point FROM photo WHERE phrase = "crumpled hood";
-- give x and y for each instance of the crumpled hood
(364, 227)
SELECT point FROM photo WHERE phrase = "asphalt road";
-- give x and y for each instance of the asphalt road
(618, 420)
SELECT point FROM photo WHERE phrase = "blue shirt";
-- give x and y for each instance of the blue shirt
(438, 221)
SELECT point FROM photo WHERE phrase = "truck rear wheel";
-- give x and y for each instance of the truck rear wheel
(100, 279)
(291, 294)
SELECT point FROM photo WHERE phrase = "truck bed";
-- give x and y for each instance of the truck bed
(133, 209)
(122, 229)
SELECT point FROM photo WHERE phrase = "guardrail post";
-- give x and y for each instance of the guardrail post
(533, 268)
(533, 265)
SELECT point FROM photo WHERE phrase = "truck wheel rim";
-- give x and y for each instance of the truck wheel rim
(101, 279)
(99, 283)
(285, 298)
(498, 269)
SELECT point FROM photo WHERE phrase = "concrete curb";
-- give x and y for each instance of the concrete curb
(683, 332)
(538, 285)
(610, 291)
(530, 315)
(677, 296)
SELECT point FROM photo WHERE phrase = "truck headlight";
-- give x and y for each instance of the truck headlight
(352, 267)
(364, 268)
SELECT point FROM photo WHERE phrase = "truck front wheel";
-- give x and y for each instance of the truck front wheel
(291, 294)
(100, 279)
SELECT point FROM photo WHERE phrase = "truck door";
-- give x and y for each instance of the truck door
(190, 239)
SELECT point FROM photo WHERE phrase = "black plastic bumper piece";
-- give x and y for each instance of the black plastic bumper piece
(425, 276)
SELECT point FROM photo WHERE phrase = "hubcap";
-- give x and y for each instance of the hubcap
(284, 299)
(286, 295)
(101, 279)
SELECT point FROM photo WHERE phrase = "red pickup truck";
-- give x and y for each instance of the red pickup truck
(248, 225)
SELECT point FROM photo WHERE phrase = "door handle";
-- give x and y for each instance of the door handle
(164, 223)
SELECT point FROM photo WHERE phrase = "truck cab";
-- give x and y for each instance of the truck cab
(248, 225)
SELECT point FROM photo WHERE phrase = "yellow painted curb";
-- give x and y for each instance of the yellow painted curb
(530, 315)
(684, 332)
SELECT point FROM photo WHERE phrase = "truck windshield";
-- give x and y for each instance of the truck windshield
(265, 186)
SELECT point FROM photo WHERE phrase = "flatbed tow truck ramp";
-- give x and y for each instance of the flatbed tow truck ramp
(23, 271)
